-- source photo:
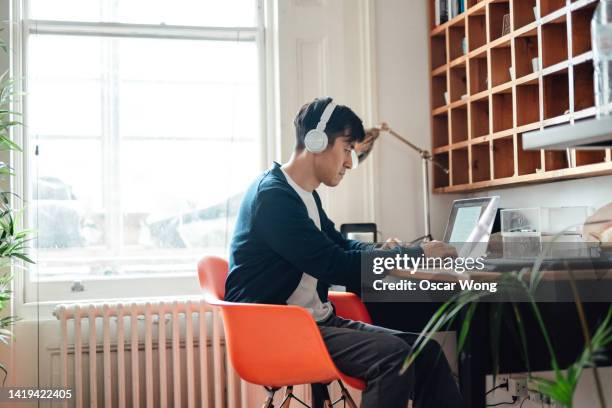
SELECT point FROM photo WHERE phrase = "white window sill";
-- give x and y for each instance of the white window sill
(50, 294)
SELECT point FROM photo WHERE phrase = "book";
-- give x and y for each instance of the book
(451, 8)
(437, 12)
(444, 10)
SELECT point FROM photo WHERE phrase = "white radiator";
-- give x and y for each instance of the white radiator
(146, 354)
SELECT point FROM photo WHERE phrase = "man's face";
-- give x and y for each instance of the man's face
(331, 164)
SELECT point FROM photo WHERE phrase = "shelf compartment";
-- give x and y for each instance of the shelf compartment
(502, 111)
(438, 88)
(456, 36)
(554, 43)
(440, 177)
(556, 94)
(586, 157)
(584, 93)
(501, 61)
(581, 29)
(459, 124)
(438, 50)
(478, 73)
(477, 31)
(479, 117)
(497, 11)
(529, 161)
(440, 130)
(458, 83)
(527, 104)
(523, 12)
(555, 159)
(503, 157)
(460, 172)
(481, 162)
(549, 6)
(525, 50)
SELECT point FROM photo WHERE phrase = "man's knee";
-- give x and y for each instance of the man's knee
(387, 353)
(392, 345)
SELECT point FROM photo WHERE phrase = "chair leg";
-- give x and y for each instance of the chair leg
(269, 403)
(346, 396)
(327, 403)
(287, 398)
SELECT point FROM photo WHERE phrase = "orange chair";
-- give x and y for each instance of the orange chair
(278, 346)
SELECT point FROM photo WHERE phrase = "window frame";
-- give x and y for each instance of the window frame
(33, 292)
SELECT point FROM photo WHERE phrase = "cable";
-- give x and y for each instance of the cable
(503, 403)
(504, 384)
(522, 402)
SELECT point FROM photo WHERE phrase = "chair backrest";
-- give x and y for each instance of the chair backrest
(212, 272)
(349, 306)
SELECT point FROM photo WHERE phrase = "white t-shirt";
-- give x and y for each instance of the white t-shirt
(305, 294)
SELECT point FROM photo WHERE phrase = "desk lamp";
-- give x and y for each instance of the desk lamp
(364, 149)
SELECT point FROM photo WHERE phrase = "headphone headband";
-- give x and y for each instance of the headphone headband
(327, 112)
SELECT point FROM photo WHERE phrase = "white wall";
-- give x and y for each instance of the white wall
(403, 101)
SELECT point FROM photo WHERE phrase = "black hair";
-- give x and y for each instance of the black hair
(342, 123)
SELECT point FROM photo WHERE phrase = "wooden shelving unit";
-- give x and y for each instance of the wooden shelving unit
(487, 90)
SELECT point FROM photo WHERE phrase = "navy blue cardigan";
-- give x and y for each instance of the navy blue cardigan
(275, 241)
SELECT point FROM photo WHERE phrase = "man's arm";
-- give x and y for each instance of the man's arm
(281, 220)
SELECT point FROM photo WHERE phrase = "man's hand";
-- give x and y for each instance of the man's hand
(433, 249)
(438, 249)
(392, 243)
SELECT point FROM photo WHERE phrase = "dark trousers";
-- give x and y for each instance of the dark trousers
(376, 354)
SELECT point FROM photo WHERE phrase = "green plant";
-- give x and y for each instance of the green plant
(13, 241)
(524, 284)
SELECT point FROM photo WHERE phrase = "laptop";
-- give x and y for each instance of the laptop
(469, 225)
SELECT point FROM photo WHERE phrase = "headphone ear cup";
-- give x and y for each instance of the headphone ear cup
(315, 141)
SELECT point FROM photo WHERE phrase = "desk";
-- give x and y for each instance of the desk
(475, 360)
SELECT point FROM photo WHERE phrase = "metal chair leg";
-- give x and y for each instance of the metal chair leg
(346, 396)
(327, 403)
(269, 402)
(287, 398)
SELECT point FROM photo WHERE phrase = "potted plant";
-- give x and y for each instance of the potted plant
(13, 240)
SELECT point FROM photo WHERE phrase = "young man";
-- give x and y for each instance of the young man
(285, 250)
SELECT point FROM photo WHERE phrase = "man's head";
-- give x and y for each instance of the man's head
(343, 129)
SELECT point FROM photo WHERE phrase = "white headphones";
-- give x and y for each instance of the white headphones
(316, 139)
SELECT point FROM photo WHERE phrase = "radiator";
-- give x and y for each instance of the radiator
(146, 354)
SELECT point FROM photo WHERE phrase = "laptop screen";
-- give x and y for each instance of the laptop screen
(466, 219)
(471, 220)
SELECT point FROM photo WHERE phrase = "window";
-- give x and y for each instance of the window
(144, 126)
